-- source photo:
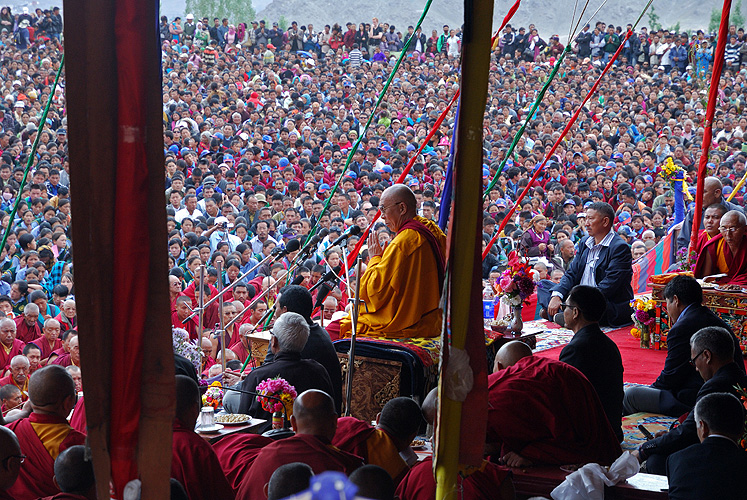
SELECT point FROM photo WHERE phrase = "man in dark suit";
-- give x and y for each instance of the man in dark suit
(592, 352)
(712, 354)
(604, 261)
(297, 299)
(289, 335)
(714, 468)
(674, 391)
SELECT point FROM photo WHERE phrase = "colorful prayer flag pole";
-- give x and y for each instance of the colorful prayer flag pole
(462, 419)
(718, 63)
(567, 128)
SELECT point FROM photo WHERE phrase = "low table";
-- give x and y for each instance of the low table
(540, 481)
(227, 430)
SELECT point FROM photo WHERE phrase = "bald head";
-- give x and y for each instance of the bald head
(373, 482)
(712, 189)
(734, 218)
(314, 413)
(52, 391)
(430, 406)
(401, 418)
(399, 193)
(187, 400)
(288, 480)
(73, 472)
(510, 354)
(9, 447)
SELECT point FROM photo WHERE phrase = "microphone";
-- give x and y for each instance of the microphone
(329, 276)
(297, 280)
(311, 245)
(352, 231)
(290, 247)
(323, 292)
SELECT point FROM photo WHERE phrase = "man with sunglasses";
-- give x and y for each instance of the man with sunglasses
(711, 353)
(674, 391)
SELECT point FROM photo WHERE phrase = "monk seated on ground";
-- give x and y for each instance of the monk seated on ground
(45, 433)
(396, 427)
(315, 421)
(727, 252)
(193, 462)
(236, 454)
(545, 412)
(402, 284)
(489, 482)
(73, 473)
(288, 480)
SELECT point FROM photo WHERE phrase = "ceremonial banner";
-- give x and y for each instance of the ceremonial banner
(655, 261)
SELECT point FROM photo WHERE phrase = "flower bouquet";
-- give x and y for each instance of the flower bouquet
(644, 317)
(183, 346)
(516, 285)
(671, 173)
(278, 388)
(213, 395)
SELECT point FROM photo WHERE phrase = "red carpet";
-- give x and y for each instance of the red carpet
(642, 366)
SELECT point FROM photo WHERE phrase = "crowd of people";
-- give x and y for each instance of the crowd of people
(265, 140)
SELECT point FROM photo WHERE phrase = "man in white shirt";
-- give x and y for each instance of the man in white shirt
(190, 209)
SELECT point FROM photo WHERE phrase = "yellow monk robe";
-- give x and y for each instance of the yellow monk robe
(401, 289)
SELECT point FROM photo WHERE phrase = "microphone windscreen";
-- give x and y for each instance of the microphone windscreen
(314, 241)
(292, 245)
(298, 280)
(323, 233)
(354, 230)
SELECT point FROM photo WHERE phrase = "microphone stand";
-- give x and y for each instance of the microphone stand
(220, 317)
(351, 353)
(230, 286)
(201, 311)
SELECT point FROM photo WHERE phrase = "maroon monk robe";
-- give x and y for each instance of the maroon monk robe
(45, 348)
(195, 465)
(9, 381)
(67, 323)
(15, 349)
(236, 454)
(373, 445)
(37, 471)
(549, 413)
(189, 325)
(484, 484)
(65, 496)
(78, 419)
(25, 332)
(62, 360)
(737, 264)
(241, 352)
(311, 450)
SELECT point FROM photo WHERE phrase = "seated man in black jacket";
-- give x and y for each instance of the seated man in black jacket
(289, 335)
(673, 393)
(297, 299)
(712, 354)
(715, 467)
(592, 352)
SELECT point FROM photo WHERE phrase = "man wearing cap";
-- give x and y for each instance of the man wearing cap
(603, 261)
(402, 284)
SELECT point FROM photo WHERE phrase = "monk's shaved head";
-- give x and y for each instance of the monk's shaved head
(73, 472)
(430, 406)
(401, 418)
(735, 218)
(510, 353)
(373, 482)
(399, 193)
(314, 413)
(288, 480)
(9, 447)
(52, 390)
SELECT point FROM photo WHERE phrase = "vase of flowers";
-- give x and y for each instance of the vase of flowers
(515, 286)
(281, 401)
(644, 317)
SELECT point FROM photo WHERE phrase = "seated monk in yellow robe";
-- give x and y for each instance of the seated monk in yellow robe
(402, 283)
(727, 252)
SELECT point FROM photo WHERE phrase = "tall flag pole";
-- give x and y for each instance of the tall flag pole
(718, 63)
(462, 414)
